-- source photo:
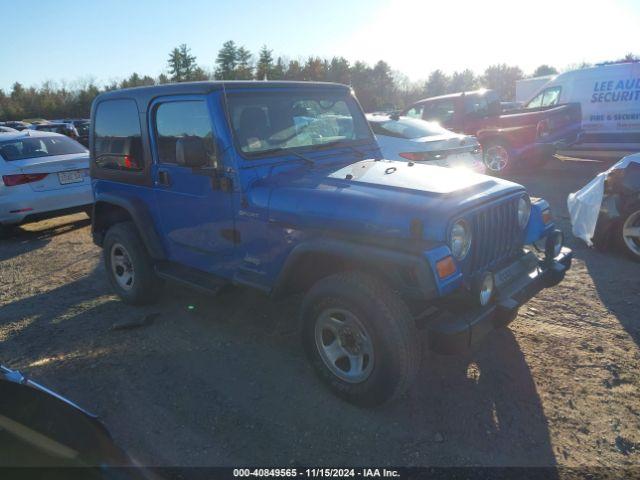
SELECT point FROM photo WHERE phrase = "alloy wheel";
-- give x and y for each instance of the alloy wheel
(631, 233)
(496, 158)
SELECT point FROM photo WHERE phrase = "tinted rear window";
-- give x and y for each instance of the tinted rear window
(32, 147)
(407, 128)
(117, 136)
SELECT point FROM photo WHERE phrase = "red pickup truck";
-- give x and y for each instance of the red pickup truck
(518, 138)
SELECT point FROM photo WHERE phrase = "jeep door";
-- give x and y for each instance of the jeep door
(195, 214)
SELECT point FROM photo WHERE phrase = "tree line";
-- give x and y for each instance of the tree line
(378, 87)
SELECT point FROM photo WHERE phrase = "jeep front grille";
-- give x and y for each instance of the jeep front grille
(496, 236)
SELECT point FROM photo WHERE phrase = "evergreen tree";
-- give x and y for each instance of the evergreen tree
(265, 64)
(182, 65)
(437, 84)
(339, 71)
(462, 82)
(315, 69)
(227, 61)
(279, 70)
(244, 68)
(294, 71)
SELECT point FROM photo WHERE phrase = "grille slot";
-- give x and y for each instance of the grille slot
(496, 235)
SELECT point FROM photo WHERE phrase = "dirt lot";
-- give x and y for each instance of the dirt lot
(221, 381)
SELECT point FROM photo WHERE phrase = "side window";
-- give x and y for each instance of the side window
(477, 105)
(415, 112)
(440, 111)
(174, 120)
(117, 137)
(551, 96)
(536, 101)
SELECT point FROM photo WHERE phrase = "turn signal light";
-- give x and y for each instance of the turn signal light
(22, 178)
(445, 267)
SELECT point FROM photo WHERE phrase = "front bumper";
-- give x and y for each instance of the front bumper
(459, 327)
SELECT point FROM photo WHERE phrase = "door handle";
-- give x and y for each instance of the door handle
(163, 178)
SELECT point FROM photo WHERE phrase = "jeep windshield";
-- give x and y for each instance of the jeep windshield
(267, 122)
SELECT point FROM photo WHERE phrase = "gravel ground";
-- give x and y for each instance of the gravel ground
(223, 381)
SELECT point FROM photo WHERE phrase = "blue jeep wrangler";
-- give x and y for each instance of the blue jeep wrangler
(280, 186)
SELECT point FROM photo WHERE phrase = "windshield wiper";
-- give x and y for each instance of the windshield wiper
(288, 152)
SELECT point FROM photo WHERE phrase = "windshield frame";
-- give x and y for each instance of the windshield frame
(252, 157)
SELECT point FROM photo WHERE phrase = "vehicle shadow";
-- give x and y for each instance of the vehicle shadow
(219, 381)
(612, 273)
(17, 240)
(482, 406)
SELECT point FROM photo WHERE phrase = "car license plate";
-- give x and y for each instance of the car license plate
(72, 176)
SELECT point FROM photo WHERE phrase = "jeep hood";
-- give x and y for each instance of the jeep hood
(377, 196)
(409, 176)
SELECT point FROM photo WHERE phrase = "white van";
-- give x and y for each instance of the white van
(610, 99)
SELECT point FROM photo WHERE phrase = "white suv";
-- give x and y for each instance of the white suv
(42, 174)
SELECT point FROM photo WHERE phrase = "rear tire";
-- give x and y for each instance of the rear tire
(628, 234)
(498, 158)
(129, 266)
(354, 317)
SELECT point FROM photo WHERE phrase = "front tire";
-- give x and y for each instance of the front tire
(129, 266)
(360, 338)
(628, 234)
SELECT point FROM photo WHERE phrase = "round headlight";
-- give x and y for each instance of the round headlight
(460, 239)
(524, 210)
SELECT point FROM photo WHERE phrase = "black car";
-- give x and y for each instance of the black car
(40, 428)
(64, 128)
(83, 132)
(17, 125)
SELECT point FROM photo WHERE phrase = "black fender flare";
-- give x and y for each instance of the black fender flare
(386, 261)
(141, 216)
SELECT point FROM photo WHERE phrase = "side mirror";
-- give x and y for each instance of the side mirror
(191, 152)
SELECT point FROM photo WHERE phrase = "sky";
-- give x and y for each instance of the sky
(75, 41)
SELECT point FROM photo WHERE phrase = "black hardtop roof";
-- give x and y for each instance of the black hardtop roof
(143, 95)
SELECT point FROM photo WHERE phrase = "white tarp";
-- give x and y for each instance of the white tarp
(584, 205)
